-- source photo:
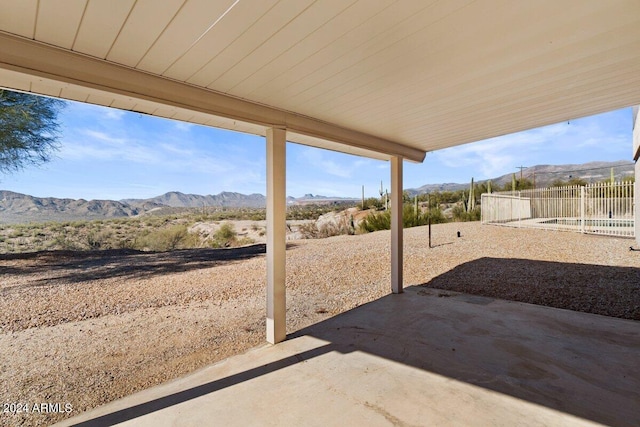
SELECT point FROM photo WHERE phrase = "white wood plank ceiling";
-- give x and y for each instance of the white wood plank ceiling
(424, 74)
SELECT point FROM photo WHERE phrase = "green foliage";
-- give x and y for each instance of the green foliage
(372, 203)
(226, 236)
(571, 182)
(98, 240)
(460, 214)
(382, 220)
(313, 211)
(28, 129)
(436, 215)
(520, 184)
(439, 197)
(313, 231)
(166, 239)
(375, 222)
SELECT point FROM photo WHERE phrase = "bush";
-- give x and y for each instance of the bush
(99, 240)
(167, 239)
(382, 220)
(329, 229)
(437, 217)
(375, 222)
(224, 237)
(372, 203)
(460, 215)
(226, 231)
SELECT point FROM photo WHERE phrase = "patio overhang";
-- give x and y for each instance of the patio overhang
(35, 67)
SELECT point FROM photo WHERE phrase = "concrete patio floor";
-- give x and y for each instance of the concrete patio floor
(426, 357)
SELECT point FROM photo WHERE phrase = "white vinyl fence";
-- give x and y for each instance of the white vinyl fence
(601, 208)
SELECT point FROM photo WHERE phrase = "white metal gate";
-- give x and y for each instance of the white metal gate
(601, 208)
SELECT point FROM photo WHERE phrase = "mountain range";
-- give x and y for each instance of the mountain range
(545, 175)
(21, 208)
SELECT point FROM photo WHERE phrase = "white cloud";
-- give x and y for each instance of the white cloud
(494, 156)
(113, 113)
(183, 126)
(316, 159)
(341, 166)
(104, 137)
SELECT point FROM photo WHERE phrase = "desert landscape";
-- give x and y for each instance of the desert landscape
(85, 328)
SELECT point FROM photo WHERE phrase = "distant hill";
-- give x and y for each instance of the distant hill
(18, 208)
(22, 208)
(175, 199)
(545, 175)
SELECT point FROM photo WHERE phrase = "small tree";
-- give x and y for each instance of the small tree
(28, 129)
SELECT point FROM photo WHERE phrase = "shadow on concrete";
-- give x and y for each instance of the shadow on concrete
(581, 364)
(195, 392)
(79, 266)
(574, 363)
(607, 290)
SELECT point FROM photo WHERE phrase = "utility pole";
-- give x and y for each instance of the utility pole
(534, 179)
(521, 167)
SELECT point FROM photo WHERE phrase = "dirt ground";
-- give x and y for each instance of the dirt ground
(79, 329)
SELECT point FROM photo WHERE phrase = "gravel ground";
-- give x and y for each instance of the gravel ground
(88, 328)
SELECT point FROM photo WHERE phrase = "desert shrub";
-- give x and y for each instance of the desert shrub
(167, 239)
(65, 243)
(375, 222)
(98, 240)
(333, 229)
(313, 231)
(412, 219)
(224, 237)
(436, 215)
(226, 231)
(16, 233)
(460, 215)
(309, 230)
(244, 241)
(372, 203)
(126, 244)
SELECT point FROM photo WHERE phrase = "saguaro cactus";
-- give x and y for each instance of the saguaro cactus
(471, 205)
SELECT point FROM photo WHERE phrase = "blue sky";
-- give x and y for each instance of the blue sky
(112, 154)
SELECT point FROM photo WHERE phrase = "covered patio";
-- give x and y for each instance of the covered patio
(386, 79)
(429, 358)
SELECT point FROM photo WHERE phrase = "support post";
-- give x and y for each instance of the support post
(636, 195)
(396, 225)
(582, 209)
(276, 235)
(636, 186)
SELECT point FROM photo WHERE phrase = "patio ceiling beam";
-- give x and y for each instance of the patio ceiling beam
(40, 60)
